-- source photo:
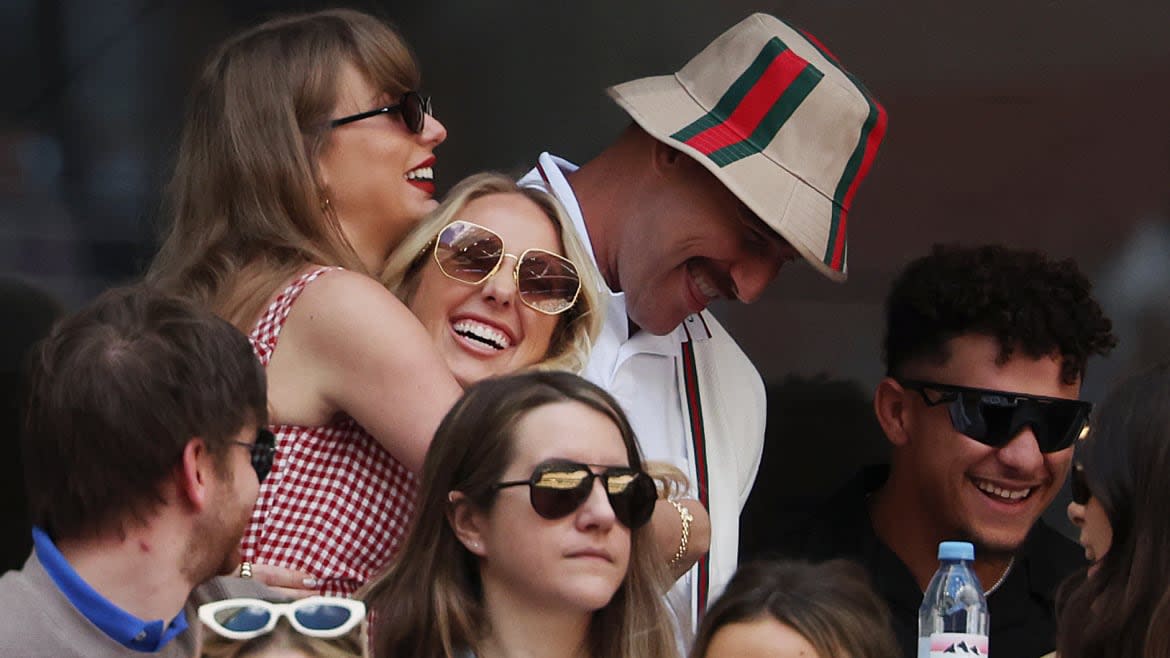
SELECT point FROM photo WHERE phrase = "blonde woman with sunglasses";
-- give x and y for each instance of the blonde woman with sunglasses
(494, 277)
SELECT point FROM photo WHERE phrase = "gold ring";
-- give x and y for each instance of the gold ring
(245, 570)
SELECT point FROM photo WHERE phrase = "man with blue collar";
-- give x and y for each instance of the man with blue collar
(747, 158)
(144, 446)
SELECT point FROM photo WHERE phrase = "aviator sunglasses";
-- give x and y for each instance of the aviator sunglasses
(315, 616)
(263, 451)
(558, 488)
(993, 418)
(413, 107)
(469, 253)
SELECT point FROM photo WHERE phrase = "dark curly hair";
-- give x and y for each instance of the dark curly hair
(1019, 297)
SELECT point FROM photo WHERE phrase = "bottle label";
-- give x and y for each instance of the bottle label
(949, 645)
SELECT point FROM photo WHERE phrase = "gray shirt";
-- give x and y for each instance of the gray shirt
(38, 621)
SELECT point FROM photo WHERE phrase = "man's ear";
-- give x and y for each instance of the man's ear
(193, 473)
(466, 522)
(891, 408)
(666, 159)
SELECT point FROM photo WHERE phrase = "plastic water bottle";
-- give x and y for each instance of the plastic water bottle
(953, 620)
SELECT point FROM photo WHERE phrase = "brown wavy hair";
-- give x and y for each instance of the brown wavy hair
(831, 604)
(245, 198)
(429, 604)
(1123, 607)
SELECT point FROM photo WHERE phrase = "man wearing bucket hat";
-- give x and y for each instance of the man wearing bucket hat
(748, 157)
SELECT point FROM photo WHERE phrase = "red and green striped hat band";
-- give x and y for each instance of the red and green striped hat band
(773, 116)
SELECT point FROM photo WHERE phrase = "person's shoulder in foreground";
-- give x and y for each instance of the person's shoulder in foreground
(144, 437)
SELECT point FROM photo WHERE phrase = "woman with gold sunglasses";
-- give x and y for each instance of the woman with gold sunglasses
(499, 281)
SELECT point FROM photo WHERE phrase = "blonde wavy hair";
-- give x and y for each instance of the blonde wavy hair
(429, 602)
(245, 198)
(577, 328)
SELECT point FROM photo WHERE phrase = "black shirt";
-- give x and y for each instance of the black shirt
(1023, 623)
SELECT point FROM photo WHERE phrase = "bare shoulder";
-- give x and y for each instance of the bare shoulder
(345, 323)
(340, 303)
(350, 345)
(341, 290)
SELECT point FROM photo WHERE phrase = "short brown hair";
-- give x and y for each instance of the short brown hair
(831, 604)
(116, 392)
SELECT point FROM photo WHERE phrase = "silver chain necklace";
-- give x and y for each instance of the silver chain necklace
(1002, 577)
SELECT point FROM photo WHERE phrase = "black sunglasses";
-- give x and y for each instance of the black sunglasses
(263, 451)
(557, 488)
(413, 107)
(994, 418)
(1078, 484)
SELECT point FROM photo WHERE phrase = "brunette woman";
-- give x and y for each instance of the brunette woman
(1120, 604)
(794, 609)
(532, 536)
(307, 153)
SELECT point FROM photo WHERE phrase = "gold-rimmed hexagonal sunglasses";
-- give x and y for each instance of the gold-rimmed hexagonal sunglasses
(469, 253)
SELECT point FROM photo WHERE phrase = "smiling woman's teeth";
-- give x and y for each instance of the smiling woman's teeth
(483, 333)
(999, 492)
(422, 173)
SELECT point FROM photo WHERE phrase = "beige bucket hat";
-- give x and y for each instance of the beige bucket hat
(772, 114)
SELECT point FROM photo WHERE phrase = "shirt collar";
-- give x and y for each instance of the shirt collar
(126, 629)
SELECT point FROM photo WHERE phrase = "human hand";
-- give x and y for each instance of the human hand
(284, 581)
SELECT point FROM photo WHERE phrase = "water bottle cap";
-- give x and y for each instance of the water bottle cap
(956, 550)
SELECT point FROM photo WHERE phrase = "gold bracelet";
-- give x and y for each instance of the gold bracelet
(687, 517)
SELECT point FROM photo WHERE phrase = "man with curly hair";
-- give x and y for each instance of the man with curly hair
(985, 351)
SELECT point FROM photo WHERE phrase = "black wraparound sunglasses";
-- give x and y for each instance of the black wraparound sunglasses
(413, 107)
(263, 451)
(994, 418)
(557, 488)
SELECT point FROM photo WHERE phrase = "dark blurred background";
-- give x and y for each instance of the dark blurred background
(1042, 124)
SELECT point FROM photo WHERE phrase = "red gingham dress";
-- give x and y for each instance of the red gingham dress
(336, 504)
